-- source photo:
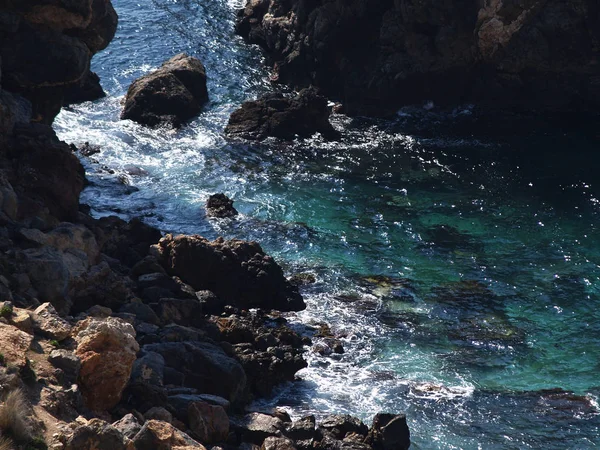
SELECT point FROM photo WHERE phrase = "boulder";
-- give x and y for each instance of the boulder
(158, 413)
(208, 423)
(179, 311)
(180, 403)
(14, 345)
(158, 435)
(377, 57)
(96, 435)
(88, 89)
(274, 115)
(389, 432)
(66, 361)
(342, 424)
(47, 322)
(238, 272)
(275, 443)
(221, 206)
(256, 427)
(172, 94)
(128, 425)
(107, 349)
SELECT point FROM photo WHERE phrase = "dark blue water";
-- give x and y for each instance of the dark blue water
(457, 257)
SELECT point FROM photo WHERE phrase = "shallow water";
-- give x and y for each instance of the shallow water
(457, 257)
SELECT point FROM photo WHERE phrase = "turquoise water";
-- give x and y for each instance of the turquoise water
(457, 257)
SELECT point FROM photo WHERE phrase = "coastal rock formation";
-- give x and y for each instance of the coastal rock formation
(171, 94)
(376, 56)
(107, 349)
(238, 272)
(219, 205)
(283, 117)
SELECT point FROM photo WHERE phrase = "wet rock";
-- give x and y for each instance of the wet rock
(274, 115)
(128, 425)
(96, 435)
(172, 94)
(302, 279)
(219, 205)
(238, 272)
(377, 58)
(340, 425)
(88, 89)
(389, 432)
(47, 322)
(208, 423)
(107, 349)
(301, 430)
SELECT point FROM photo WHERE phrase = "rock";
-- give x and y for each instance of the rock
(22, 320)
(172, 94)
(67, 361)
(149, 369)
(256, 427)
(377, 58)
(14, 345)
(208, 423)
(274, 115)
(61, 402)
(128, 425)
(206, 367)
(275, 443)
(301, 430)
(219, 205)
(179, 311)
(88, 89)
(389, 432)
(157, 435)
(107, 349)
(180, 403)
(96, 435)
(158, 413)
(47, 322)
(340, 425)
(238, 272)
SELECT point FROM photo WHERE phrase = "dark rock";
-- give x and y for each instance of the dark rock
(219, 205)
(208, 423)
(158, 413)
(274, 115)
(96, 435)
(275, 443)
(376, 57)
(340, 425)
(180, 403)
(158, 435)
(128, 425)
(389, 432)
(205, 366)
(301, 430)
(178, 311)
(88, 89)
(141, 311)
(67, 361)
(256, 427)
(211, 304)
(238, 272)
(172, 94)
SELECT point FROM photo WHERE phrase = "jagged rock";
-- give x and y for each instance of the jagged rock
(256, 427)
(238, 272)
(157, 435)
(208, 423)
(67, 361)
(275, 443)
(389, 432)
(128, 425)
(219, 205)
(340, 425)
(172, 94)
(47, 322)
(205, 366)
(107, 349)
(179, 311)
(14, 344)
(61, 402)
(301, 430)
(274, 115)
(96, 435)
(377, 57)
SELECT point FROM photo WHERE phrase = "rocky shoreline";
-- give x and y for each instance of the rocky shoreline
(112, 335)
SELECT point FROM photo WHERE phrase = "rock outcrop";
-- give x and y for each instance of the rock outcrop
(375, 56)
(238, 272)
(282, 117)
(171, 94)
(221, 206)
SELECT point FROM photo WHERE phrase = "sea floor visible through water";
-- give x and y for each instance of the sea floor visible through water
(456, 255)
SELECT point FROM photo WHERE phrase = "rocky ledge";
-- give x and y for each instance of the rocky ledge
(376, 56)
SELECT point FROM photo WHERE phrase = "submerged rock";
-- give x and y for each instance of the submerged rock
(238, 272)
(171, 94)
(274, 115)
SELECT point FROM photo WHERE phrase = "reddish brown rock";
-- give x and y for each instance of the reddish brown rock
(107, 349)
(14, 344)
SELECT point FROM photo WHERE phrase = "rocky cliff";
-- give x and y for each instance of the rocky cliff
(377, 55)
